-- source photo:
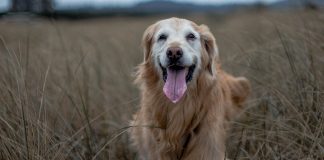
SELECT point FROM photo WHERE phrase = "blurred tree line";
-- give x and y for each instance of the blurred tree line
(37, 6)
(46, 7)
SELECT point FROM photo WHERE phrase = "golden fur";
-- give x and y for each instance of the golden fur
(194, 128)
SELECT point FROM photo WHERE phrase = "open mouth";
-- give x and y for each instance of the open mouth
(176, 78)
(178, 68)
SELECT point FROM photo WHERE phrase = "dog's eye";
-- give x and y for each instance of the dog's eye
(191, 36)
(162, 37)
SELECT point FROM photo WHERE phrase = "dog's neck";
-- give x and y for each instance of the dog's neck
(177, 121)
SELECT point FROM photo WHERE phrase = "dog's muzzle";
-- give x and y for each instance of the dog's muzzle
(176, 75)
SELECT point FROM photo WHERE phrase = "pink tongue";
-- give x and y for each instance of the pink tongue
(175, 85)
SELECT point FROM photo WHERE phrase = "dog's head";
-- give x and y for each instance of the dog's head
(180, 50)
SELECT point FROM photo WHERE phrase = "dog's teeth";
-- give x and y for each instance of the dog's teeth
(164, 77)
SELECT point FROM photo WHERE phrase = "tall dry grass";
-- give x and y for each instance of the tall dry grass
(66, 87)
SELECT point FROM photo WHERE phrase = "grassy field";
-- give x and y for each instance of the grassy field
(66, 87)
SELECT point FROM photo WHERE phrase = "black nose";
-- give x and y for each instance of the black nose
(174, 53)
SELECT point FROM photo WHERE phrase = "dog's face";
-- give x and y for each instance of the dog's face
(179, 50)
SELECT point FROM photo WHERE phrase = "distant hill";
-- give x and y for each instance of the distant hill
(154, 7)
(295, 4)
(165, 6)
(172, 7)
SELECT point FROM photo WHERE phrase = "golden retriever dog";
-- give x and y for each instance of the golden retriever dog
(187, 99)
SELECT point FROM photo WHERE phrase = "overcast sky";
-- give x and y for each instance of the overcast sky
(4, 4)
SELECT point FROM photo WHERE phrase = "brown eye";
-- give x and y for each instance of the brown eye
(191, 36)
(162, 37)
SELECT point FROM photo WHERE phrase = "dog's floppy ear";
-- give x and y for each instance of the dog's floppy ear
(209, 44)
(240, 90)
(147, 41)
